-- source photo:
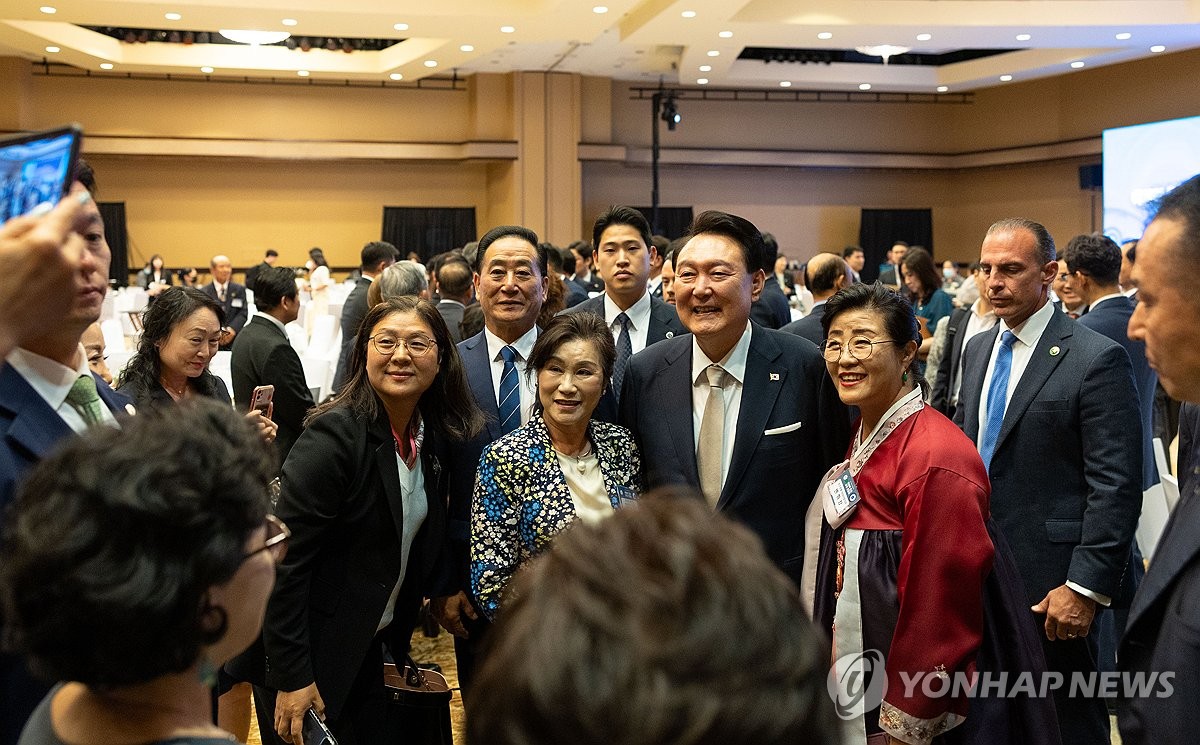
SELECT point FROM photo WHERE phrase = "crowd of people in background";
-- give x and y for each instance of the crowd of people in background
(660, 491)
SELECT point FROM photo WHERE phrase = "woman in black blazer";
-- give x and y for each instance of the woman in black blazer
(364, 492)
(154, 277)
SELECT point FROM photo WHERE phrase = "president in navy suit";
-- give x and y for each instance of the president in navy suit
(1163, 630)
(744, 414)
(40, 406)
(637, 319)
(510, 283)
(1052, 407)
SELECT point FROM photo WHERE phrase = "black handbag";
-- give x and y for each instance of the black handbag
(421, 699)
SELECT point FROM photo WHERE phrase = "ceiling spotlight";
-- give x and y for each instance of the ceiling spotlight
(1005, 78)
(1023, 37)
(302, 73)
(401, 26)
(713, 53)
(206, 70)
(825, 35)
(53, 50)
(48, 10)
(725, 34)
(943, 88)
(688, 14)
(289, 21)
(396, 76)
(785, 84)
(507, 29)
(1077, 64)
(254, 38)
(1158, 48)
(1124, 35)
(864, 86)
(430, 63)
(600, 9)
(705, 68)
(924, 37)
(670, 114)
(466, 48)
(106, 65)
(172, 16)
(702, 81)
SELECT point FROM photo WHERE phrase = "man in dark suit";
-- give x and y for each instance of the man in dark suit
(47, 394)
(230, 295)
(962, 326)
(263, 355)
(889, 274)
(1161, 634)
(585, 274)
(374, 258)
(824, 275)
(661, 246)
(562, 261)
(510, 283)
(252, 273)
(746, 415)
(454, 279)
(771, 308)
(1052, 407)
(856, 260)
(637, 320)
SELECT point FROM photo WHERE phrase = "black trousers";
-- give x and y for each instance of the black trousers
(1082, 720)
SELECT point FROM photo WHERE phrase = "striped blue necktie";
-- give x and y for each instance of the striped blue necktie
(510, 392)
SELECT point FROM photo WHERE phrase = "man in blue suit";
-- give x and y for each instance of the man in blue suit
(47, 394)
(1052, 407)
(510, 283)
(1162, 631)
(746, 415)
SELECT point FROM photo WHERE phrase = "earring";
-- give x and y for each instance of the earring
(904, 377)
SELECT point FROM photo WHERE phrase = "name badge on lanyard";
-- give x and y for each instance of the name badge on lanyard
(841, 494)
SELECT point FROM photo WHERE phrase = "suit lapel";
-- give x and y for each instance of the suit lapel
(760, 389)
(1041, 365)
(672, 387)
(386, 463)
(479, 375)
(36, 428)
(971, 395)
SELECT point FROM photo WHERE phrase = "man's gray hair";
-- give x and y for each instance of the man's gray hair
(1045, 243)
(402, 278)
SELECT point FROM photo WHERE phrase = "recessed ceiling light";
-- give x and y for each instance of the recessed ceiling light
(864, 86)
(206, 70)
(53, 50)
(702, 81)
(106, 65)
(1077, 64)
(1023, 37)
(943, 88)
(1005, 78)
(713, 53)
(172, 16)
(688, 14)
(254, 37)
(785, 84)
(466, 48)
(825, 35)
(400, 26)
(302, 73)
(430, 63)
(289, 21)
(1158, 48)
(705, 68)
(924, 37)
(48, 10)
(600, 9)
(396, 76)
(507, 29)
(725, 34)
(1124, 35)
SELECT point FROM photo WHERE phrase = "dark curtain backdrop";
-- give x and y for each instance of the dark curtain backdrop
(881, 228)
(673, 222)
(118, 240)
(428, 230)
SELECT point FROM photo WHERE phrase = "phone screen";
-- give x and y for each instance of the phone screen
(35, 169)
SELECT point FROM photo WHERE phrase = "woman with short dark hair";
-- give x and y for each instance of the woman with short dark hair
(559, 467)
(135, 563)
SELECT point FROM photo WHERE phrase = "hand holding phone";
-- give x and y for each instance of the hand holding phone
(36, 170)
(315, 732)
(262, 400)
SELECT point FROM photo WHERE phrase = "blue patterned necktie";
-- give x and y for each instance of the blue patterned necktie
(997, 393)
(624, 352)
(510, 392)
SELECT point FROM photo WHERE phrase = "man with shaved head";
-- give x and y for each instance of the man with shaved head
(825, 275)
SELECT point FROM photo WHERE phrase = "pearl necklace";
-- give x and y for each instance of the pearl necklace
(581, 461)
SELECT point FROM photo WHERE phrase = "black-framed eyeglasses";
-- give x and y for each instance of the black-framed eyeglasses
(277, 540)
(860, 348)
(417, 346)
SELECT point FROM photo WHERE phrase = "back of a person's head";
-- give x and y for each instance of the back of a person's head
(454, 278)
(662, 625)
(272, 286)
(114, 541)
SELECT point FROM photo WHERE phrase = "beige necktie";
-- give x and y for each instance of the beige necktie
(710, 451)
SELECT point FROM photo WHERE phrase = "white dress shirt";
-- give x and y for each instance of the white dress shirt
(639, 320)
(415, 509)
(735, 365)
(53, 380)
(524, 346)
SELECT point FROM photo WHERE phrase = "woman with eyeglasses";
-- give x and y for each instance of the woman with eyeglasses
(135, 562)
(364, 492)
(911, 573)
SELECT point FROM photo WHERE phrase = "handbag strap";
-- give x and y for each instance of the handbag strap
(413, 675)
